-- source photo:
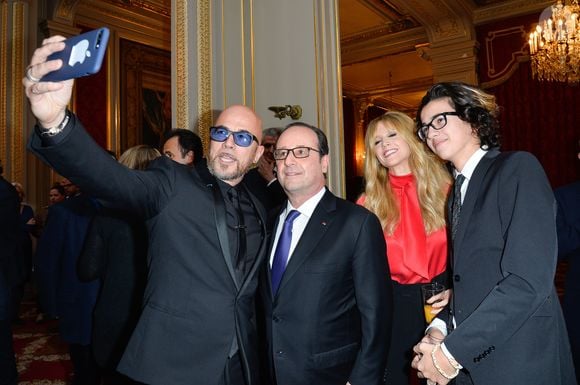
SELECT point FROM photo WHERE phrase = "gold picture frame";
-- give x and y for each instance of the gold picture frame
(145, 94)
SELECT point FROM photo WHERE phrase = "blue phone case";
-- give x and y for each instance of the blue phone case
(82, 56)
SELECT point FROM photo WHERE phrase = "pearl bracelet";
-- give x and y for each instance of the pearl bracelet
(448, 376)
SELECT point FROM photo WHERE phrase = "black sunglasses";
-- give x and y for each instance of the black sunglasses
(241, 138)
(438, 122)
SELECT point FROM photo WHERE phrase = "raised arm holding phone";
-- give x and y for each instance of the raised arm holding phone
(198, 322)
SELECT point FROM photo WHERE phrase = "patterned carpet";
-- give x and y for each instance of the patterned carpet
(42, 358)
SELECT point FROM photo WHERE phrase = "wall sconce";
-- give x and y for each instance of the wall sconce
(280, 112)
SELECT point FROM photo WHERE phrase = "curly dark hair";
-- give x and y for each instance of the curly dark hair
(473, 105)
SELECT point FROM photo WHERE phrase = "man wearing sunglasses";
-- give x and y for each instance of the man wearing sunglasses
(206, 237)
(326, 292)
(261, 180)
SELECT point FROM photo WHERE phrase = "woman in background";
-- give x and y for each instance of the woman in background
(406, 187)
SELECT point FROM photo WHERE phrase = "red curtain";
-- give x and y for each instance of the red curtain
(540, 117)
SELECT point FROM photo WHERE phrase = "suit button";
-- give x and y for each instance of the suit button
(275, 319)
(457, 278)
(280, 353)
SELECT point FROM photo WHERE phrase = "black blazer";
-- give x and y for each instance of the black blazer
(115, 254)
(11, 270)
(330, 321)
(510, 328)
(194, 306)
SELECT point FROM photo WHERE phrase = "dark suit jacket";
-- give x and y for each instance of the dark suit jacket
(271, 195)
(330, 321)
(60, 290)
(10, 267)
(194, 306)
(115, 254)
(568, 221)
(510, 328)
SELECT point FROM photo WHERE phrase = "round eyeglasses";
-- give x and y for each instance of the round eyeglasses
(298, 152)
(241, 138)
(438, 122)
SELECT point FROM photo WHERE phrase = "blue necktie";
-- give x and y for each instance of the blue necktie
(282, 250)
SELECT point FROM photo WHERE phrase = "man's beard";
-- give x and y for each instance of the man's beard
(237, 172)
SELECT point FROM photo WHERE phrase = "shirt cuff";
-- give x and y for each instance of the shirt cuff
(438, 324)
(450, 357)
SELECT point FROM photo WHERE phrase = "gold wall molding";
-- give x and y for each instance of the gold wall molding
(204, 56)
(181, 75)
(19, 14)
(65, 11)
(4, 44)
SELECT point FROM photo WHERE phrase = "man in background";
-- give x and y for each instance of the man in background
(261, 180)
(9, 275)
(183, 146)
(568, 226)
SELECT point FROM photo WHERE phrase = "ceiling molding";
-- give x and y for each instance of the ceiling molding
(387, 44)
(444, 20)
(508, 9)
(415, 85)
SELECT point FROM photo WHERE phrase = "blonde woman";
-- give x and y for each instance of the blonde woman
(406, 187)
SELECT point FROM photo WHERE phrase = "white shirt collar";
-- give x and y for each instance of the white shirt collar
(471, 163)
(308, 207)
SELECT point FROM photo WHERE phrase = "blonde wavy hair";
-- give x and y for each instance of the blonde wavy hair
(432, 179)
(138, 157)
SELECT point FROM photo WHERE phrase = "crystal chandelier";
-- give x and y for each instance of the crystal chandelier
(555, 45)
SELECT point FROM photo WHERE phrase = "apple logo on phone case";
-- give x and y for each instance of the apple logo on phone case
(79, 52)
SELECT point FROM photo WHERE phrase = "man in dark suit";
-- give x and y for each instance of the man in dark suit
(568, 224)
(9, 219)
(328, 301)
(261, 180)
(183, 146)
(504, 324)
(206, 238)
(61, 292)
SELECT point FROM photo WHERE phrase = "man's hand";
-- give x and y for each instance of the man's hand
(439, 301)
(48, 100)
(423, 361)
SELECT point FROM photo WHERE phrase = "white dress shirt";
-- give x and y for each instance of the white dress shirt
(306, 210)
(467, 172)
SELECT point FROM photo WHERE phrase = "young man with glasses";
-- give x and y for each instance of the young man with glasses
(325, 286)
(504, 324)
(207, 237)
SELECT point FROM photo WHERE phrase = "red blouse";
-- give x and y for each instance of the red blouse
(414, 256)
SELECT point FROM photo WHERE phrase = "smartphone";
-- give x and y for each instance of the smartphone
(82, 56)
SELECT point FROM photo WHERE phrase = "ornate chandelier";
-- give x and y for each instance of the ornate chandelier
(555, 45)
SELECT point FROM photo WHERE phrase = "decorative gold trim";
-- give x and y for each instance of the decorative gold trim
(243, 49)
(204, 54)
(17, 110)
(4, 44)
(519, 31)
(508, 74)
(181, 72)
(252, 55)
